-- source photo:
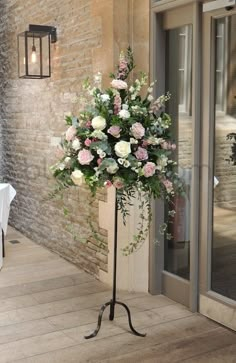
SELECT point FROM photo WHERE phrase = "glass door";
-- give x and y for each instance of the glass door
(218, 205)
(173, 259)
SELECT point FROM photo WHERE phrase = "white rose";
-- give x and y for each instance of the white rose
(124, 114)
(122, 149)
(150, 98)
(112, 169)
(77, 177)
(99, 123)
(105, 97)
(76, 145)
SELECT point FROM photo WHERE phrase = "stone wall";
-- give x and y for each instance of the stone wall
(32, 113)
(91, 34)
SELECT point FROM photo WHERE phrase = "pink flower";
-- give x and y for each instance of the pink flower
(168, 184)
(166, 145)
(149, 169)
(87, 142)
(108, 184)
(137, 130)
(99, 160)
(145, 143)
(85, 157)
(173, 146)
(141, 153)
(60, 153)
(114, 131)
(117, 104)
(70, 133)
(119, 84)
(88, 124)
(118, 183)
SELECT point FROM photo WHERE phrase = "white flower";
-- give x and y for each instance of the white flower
(133, 97)
(98, 134)
(121, 161)
(150, 89)
(99, 151)
(125, 107)
(99, 123)
(150, 98)
(102, 155)
(67, 160)
(77, 177)
(126, 163)
(122, 149)
(112, 169)
(131, 89)
(124, 114)
(76, 145)
(133, 141)
(162, 162)
(61, 166)
(105, 97)
(98, 78)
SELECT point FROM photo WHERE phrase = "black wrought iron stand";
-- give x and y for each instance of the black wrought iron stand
(113, 301)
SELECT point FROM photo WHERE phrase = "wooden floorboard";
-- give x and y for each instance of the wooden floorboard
(47, 305)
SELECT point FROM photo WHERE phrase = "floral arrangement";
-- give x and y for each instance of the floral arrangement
(121, 139)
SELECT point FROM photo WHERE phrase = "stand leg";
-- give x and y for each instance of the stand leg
(112, 310)
(129, 319)
(99, 321)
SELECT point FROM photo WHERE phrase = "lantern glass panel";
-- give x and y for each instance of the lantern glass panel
(34, 54)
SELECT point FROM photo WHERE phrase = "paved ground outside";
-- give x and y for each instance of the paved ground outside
(47, 305)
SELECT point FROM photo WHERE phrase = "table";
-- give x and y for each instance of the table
(7, 194)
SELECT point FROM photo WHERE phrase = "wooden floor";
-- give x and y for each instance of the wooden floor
(47, 305)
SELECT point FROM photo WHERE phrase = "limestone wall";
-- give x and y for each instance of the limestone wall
(91, 34)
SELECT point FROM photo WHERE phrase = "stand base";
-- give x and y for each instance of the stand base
(111, 303)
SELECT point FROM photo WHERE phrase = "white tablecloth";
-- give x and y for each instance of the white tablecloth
(7, 194)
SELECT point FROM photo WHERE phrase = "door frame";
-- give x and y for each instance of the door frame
(174, 14)
(211, 304)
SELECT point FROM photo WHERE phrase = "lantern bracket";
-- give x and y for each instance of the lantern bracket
(44, 29)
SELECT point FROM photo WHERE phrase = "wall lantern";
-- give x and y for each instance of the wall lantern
(34, 58)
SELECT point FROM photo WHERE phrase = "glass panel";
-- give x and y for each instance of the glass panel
(178, 82)
(224, 205)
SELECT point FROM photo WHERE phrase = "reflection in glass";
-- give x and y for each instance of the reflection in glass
(178, 83)
(224, 204)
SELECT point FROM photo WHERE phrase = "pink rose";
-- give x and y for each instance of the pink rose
(141, 153)
(118, 183)
(149, 169)
(87, 142)
(70, 133)
(168, 184)
(119, 84)
(99, 160)
(85, 157)
(108, 183)
(114, 131)
(137, 130)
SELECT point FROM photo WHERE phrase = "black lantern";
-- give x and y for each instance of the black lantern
(34, 58)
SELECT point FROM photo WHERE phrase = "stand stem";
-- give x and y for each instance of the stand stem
(113, 301)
